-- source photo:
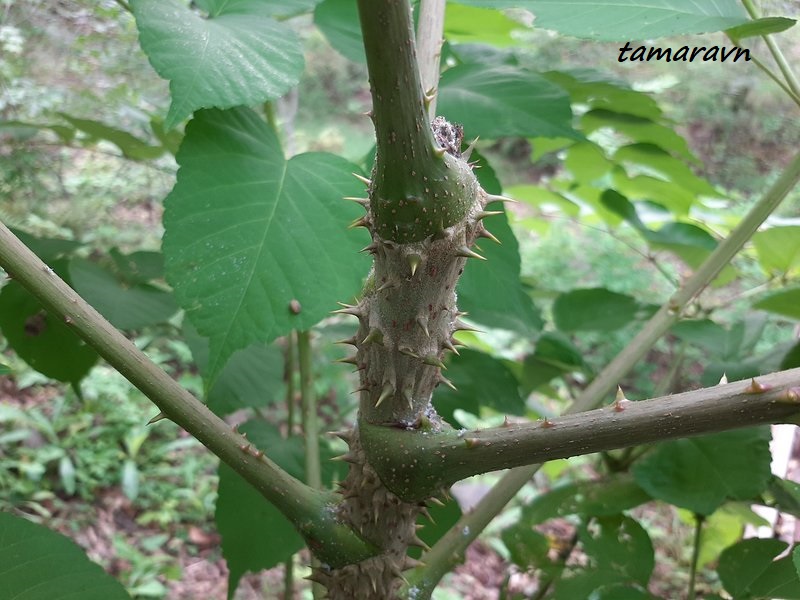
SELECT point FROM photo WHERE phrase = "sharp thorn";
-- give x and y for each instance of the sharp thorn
(375, 336)
(387, 391)
(422, 321)
(362, 201)
(449, 345)
(724, 379)
(495, 198)
(350, 341)
(459, 325)
(439, 152)
(433, 361)
(359, 222)
(447, 382)
(371, 248)
(362, 179)
(157, 418)
(484, 233)
(413, 262)
(350, 360)
(436, 501)
(467, 253)
(388, 285)
(407, 351)
(487, 213)
(346, 435)
(468, 152)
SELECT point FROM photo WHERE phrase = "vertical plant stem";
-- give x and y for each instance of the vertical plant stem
(430, 38)
(311, 425)
(698, 530)
(780, 59)
(310, 428)
(288, 579)
(444, 554)
(289, 370)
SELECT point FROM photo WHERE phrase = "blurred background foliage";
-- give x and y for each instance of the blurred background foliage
(85, 163)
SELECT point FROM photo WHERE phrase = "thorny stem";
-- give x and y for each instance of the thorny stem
(698, 531)
(429, 47)
(443, 555)
(449, 456)
(304, 506)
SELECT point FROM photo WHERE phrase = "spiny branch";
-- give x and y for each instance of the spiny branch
(420, 463)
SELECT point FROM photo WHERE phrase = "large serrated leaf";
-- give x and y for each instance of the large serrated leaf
(749, 570)
(247, 232)
(621, 20)
(238, 56)
(39, 564)
(700, 473)
(498, 101)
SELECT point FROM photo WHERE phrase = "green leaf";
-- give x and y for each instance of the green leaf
(652, 160)
(125, 306)
(273, 8)
(749, 570)
(138, 267)
(130, 146)
(762, 26)
(619, 552)
(778, 248)
(621, 592)
(785, 302)
(701, 473)
(238, 56)
(587, 161)
(554, 355)
(491, 291)
(621, 20)
(469, 25)
(252, 378)
(48, 249)
(339, 22)
(39, 564)
(593, 88)
(498, 101)
(527, 547)
(255, 535)
(721, 529)
(796, 559)
(638, 129)
(247, 232)
(42, 340)
(595, 309)
(605, 497)
(482, 380)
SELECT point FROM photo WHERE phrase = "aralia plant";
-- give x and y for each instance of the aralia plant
(424, 210)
